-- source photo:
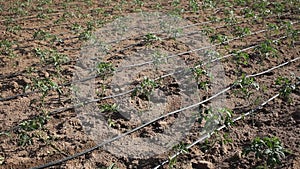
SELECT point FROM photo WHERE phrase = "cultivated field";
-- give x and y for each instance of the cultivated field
(207, 84)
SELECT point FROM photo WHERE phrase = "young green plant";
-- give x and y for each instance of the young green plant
(267, 149)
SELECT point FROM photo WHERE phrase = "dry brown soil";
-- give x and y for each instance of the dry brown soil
(31, 27)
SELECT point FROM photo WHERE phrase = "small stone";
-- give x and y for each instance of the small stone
(202, 164)
(117, 90)
(136, 162)
(14, 84)
(163, 123)
(27, 81)
(238, 155)
(46, 74)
